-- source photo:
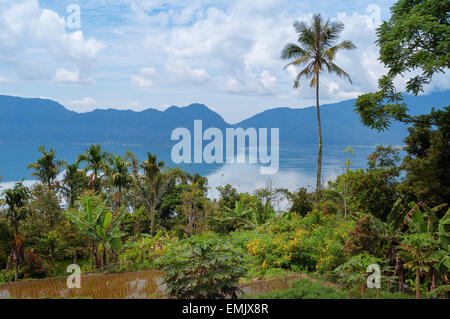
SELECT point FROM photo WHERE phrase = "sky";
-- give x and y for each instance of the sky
(137, 54)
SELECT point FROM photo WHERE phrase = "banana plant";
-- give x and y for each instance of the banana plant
(240, 216)
(424, 246)
(97, 223)
(141, 249)
(443, 254)
(444, 239)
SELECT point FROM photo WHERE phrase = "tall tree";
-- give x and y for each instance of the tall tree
(317, 49)
(427, 177)
(47, 167)
(153, 178)
(194, 204)
(96, 161)
(119, 176)
(16, 200)
(73, 183)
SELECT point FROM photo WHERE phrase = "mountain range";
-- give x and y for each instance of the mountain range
(35, 120)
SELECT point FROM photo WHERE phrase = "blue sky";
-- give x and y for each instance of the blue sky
(136, 54)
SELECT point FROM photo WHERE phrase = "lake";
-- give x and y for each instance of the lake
(297, 168)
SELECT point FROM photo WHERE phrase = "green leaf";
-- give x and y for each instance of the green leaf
(99, 232)
(116, 243)
(107, 221)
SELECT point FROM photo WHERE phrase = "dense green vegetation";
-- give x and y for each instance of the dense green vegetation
(113, 213)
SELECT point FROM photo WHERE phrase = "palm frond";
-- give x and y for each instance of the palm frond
(331, 33)
(298, 62)
(333, 68)
(306, 72)
(292, 50)
(330, 53)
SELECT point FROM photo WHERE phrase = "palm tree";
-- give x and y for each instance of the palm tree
(317, 49)
(119, 176)
(16, 199)
(74, 181)
(153, 178)
(97, 162)
(47, 167)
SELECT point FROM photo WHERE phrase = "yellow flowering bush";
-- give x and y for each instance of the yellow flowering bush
(296, 242)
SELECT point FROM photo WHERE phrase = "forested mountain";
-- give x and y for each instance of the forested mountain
(45, 121)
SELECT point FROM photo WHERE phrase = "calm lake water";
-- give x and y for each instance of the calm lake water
(298, 164)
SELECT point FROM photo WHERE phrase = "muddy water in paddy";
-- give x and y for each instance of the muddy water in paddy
(132, 285)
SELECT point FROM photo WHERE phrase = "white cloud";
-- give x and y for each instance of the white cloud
(235, 47)
(4, 79)
(145, 78)
(134, 104)
(148, 71)
(140, 82)
(30, 33)
(263, 84)
(267, 81)
(182, 72)
(240, 45)
(71, 77)
(175, 72)
(84, 102)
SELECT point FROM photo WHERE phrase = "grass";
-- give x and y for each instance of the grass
(304, 289)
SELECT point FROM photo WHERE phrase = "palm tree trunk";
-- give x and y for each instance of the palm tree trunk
(16, 268)
(152, 217)
(10, 261)
(72, 199)
(433, 278)
(319, 157)
(16, 252)
(75, 255)
(104, 257)
(401, 276)
(152, 221)
(97, 264)
(95, 182)
(417, 284)
(119, 199)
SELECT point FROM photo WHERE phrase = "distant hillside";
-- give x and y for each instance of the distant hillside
(45, 121)
(340, 124)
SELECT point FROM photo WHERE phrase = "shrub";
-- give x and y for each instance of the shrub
(203, 266)
(146, 248)
(364, 238)
(353, 273)
(295, 242)
(371, 190)
(304, 289)
(34, 266)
